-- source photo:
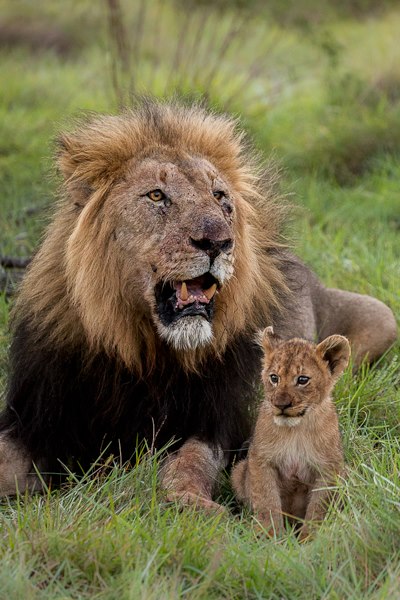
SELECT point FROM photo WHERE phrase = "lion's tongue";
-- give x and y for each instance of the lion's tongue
(188, 292)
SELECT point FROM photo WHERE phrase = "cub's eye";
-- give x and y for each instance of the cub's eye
(302, 380)
(219, 195)
(156, 195)
(274, 378)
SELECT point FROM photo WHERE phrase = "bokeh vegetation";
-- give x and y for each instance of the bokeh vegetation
(317, 85)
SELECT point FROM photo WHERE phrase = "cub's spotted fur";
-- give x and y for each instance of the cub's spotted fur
(296, 452)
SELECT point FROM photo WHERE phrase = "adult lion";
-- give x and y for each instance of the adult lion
(136, 319)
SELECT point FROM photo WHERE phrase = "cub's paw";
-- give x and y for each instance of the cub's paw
(306, 533)
(265, 527)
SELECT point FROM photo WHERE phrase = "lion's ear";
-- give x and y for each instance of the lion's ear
(66, 155)
(75, 167)
(91, 157)
(335, 350)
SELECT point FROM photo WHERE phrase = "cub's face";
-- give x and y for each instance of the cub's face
(298, 376)
(174, 228)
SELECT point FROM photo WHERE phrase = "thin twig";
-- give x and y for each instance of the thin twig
(158, 20)
(119, 50)
(136, 49)
(118, 33)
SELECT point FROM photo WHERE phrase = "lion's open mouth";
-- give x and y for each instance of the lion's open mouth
(192, 297)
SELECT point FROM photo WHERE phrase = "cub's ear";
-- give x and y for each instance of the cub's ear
(335, 349)
(268, 339)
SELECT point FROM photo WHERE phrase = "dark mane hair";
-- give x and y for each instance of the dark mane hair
(76, 410)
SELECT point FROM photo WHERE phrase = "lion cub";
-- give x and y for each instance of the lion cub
(296, 451)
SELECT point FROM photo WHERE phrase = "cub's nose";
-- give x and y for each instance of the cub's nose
(282, 403)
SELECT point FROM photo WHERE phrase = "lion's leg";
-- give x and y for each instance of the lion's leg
(190, 475)
(368, 323)
(16, 469)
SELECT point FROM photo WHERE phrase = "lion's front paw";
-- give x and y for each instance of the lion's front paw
(187, 499)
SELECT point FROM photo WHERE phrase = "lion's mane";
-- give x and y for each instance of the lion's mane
(88, 367)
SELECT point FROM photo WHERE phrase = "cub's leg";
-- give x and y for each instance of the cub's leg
(368, 323)
(258, 487)
(189, 475)
(16, 470)
(239, 480)
(320, 496)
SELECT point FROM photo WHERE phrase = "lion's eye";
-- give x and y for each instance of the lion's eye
(302, 380)
(219, 195)
(156, 195)
(274, 378)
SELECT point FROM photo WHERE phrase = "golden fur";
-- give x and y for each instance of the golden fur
(82, 287)
(296, 450)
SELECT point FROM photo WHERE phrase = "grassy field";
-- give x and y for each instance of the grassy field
(316, 84)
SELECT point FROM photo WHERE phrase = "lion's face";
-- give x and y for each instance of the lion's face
(158, 239)
(174, 231)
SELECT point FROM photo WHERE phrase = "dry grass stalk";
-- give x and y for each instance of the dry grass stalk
(188, 54)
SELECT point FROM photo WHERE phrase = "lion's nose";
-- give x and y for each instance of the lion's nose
(212, 247)
(212, 236)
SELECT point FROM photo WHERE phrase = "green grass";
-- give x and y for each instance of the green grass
(325, 102)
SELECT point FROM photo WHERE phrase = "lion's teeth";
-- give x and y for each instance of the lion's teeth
(211, 291)
(184, 292)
